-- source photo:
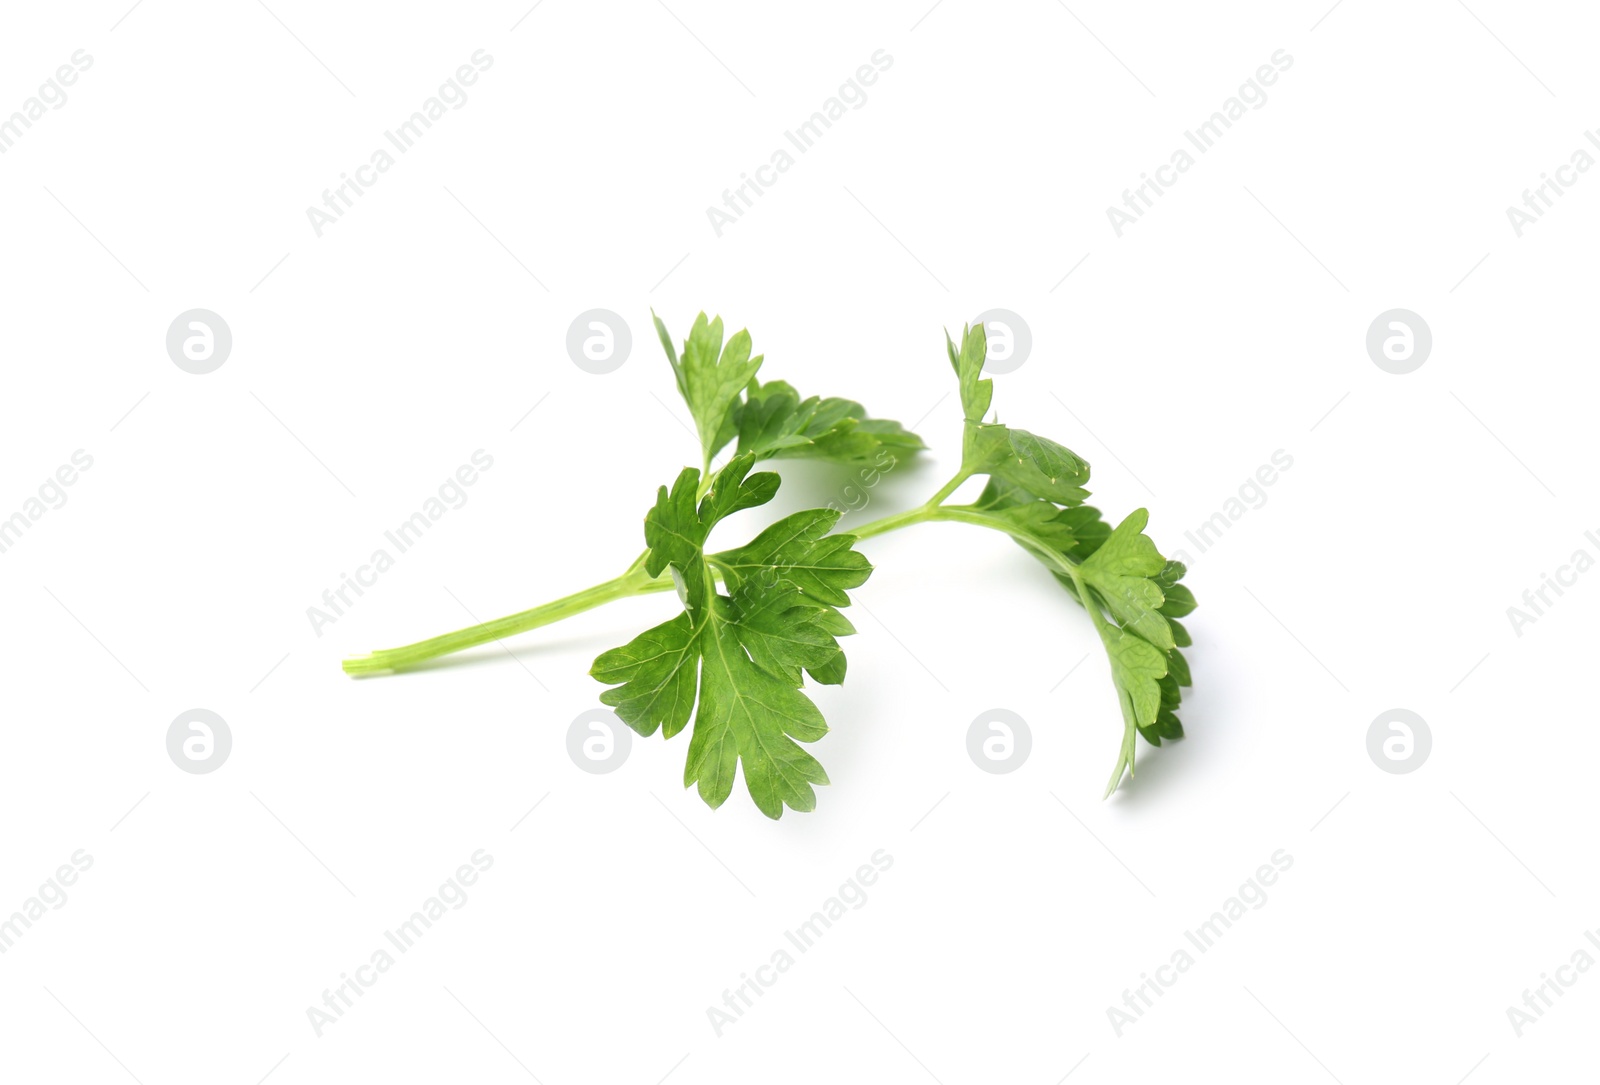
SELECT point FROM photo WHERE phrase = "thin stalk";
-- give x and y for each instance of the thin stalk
(966, 514)
(920, 514)
(1091, 603)
(633, 582)
(950, 487)
(892, 523)
(638, 581)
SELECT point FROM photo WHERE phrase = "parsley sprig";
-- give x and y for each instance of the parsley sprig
(757, 620)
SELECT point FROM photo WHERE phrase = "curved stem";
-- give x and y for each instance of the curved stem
(920, 514)
(966, 514)
(1091, 603)
(637, 581)
(1049, 554)
(950, 487)
(891, 523)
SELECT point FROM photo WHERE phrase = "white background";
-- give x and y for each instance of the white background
(370, 362)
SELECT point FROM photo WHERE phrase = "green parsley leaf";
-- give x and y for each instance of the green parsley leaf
(1136, 668)
(750, 718)
(735, 660)
(1121, 570)
(1036, 492)
(759, 619)
(775, 423)
(976, 393)
(1015, 458)
(711, 378)
(771, 420)
(798, 549)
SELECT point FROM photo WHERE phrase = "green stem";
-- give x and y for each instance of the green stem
(636, 581)
(920, 514)
(966, 514)
(892, 523)
(1065, 565)
(950, 487)
(1091, 603)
